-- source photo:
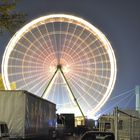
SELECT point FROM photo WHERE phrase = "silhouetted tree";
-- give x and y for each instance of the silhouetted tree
(9, 19)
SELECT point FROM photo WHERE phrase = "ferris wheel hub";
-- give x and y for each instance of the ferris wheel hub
(59, 66)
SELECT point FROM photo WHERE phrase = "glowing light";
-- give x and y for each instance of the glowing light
(87, 58)
(73, 110)
(52, 69)
(66, 69)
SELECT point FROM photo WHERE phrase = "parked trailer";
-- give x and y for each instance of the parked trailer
(26, 114)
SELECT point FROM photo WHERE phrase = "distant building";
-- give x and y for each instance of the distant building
(125, 124)
(132, 112)
(13, 85)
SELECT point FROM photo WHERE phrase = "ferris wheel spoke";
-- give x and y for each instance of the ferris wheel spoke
(27, 77)
(74, 84)
(54, 92)
(28, 61)
(26, 72)
(22, 45)
(36, 47)
(26, 67)
(80, 81)
(91, 71)
(87, 79)
(56, 48)
(59, 43)
(37, 83)
(50, 40)
(30, 78)
(17, 70)
(21, 60)
(75, 47)
(43, 83)
(27, 55)
(89, 60)
(65, 38)
(81, 32)
(30, 83)
(48, 35)
(42, 37)
(92, 65)
(76, 60)
(59, 96)
(84, 91)
(72, 35)
(37, 39)
(85, 47)
(90, 53)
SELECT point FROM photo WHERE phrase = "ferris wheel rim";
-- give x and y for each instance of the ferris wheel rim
(19, 34)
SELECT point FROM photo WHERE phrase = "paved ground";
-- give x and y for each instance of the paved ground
(72, 138)
(66, 138)
(60, 138)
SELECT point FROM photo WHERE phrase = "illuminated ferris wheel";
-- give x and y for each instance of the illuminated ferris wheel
(64, 59)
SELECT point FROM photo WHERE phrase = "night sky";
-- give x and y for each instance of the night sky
(118, 20)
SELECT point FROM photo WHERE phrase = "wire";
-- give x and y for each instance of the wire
(105, 111)
(128, 91)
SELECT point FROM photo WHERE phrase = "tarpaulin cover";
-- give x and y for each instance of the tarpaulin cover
(26, 115)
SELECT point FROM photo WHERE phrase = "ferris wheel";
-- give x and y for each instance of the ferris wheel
(64, 59)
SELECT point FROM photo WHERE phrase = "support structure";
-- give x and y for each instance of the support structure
(116, 122)
(137, 92)
(59, 68)
(50, 82)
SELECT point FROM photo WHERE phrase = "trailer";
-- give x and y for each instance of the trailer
(27, 115)
(125, 126)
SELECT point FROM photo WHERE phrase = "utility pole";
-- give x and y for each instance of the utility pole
(116, 122)
(137, 93)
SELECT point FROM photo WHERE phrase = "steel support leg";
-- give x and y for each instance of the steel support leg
(46, 89)
(59, 67)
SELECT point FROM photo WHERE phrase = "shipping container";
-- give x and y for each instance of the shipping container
(26, 114)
